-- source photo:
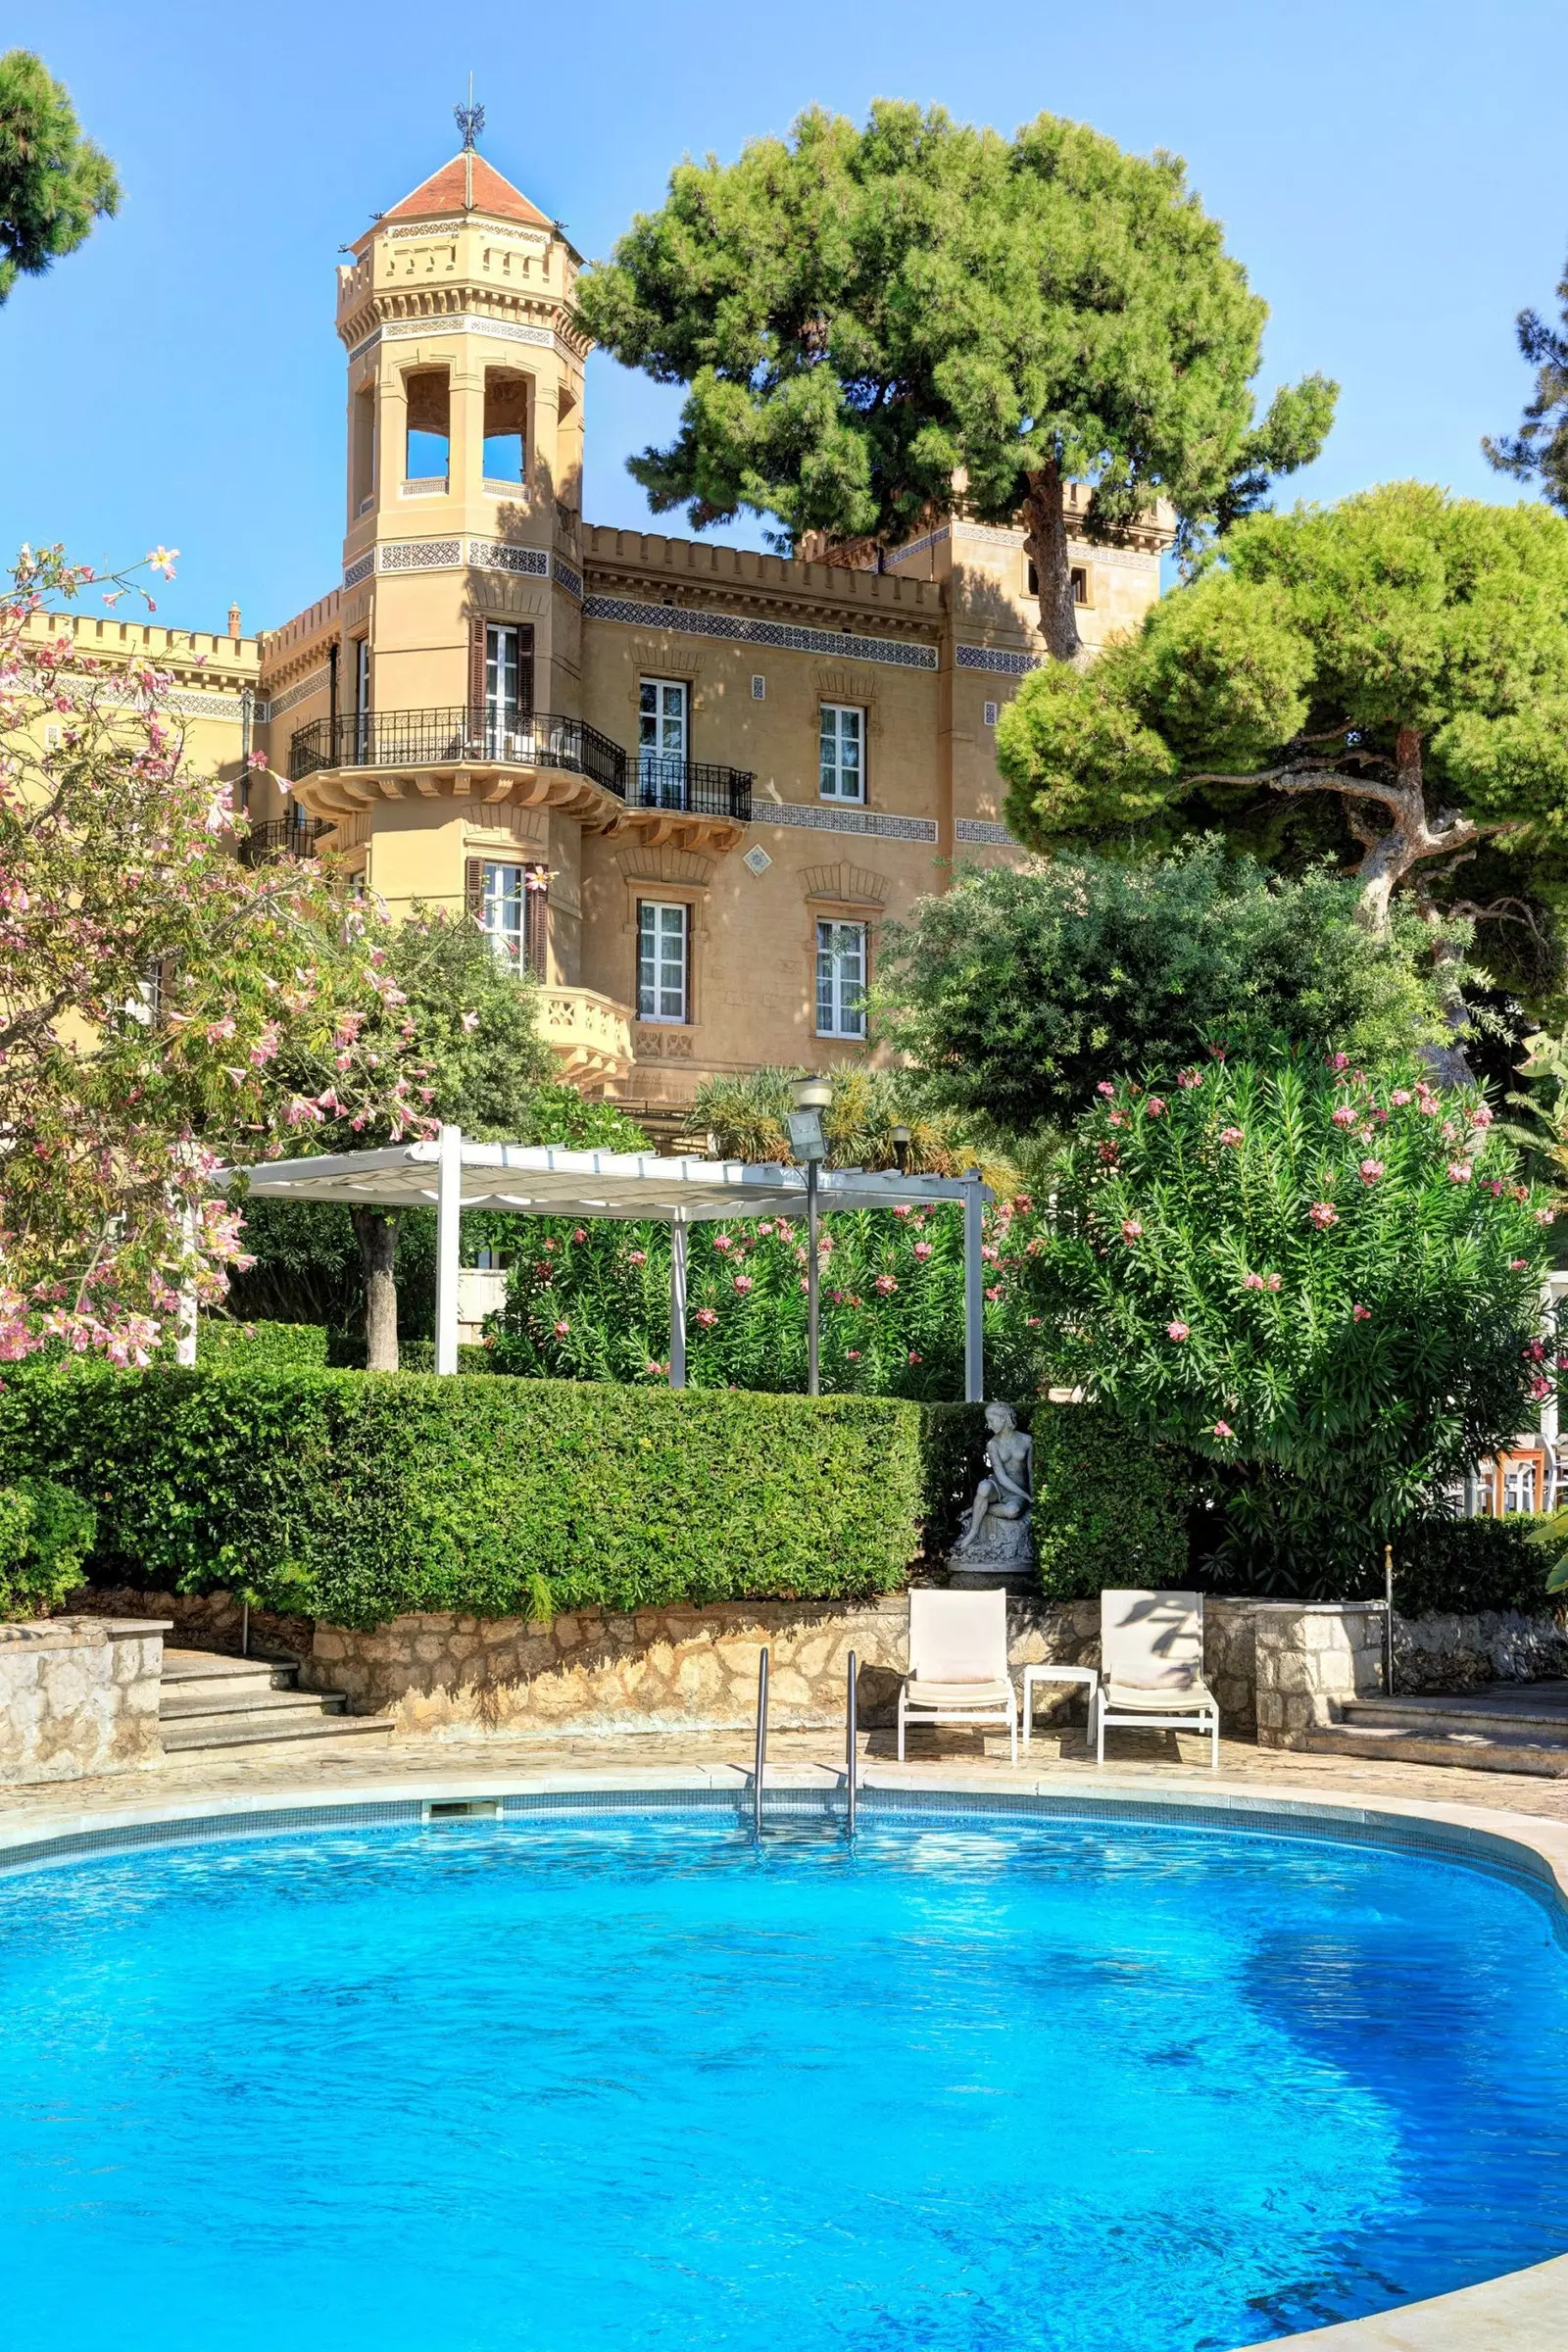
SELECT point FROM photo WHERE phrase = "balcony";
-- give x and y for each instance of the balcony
(455, 738)
(293, 836)
(691, 788)
(589, 1034)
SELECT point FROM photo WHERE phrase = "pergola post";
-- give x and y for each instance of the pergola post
(677, 1303)
(448, 1214)
(974, 1305)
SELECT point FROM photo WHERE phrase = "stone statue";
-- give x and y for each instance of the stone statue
(998, 1538)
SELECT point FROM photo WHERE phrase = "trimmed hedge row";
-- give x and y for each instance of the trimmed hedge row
(261, 1346)
(1466, 1565)
(357, 1497)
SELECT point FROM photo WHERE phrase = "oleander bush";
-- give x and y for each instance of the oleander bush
(358, 1496)
(46, 1532)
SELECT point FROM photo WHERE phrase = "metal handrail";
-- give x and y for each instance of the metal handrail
(760, 1764)
(694, 787)
(850, 1712)
(281, 836)
(454, 736)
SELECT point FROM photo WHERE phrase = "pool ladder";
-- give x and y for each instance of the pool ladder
(760, 1759)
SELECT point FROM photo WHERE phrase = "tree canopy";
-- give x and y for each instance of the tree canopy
(1539, 451)
(1016, 993)
(1402, 657)
(886, 324)
(54, 183)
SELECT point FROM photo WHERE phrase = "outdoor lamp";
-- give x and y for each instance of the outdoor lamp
(810, 1096)
(900, 1150)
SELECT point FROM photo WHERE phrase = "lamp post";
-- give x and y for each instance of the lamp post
(811, 1097)
(900, 1150)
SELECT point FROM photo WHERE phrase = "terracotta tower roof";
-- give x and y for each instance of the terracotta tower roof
(448, 191)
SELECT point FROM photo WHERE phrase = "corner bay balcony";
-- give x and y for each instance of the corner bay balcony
(656, 792)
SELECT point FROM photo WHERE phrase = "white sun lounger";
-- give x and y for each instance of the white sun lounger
(959, 1662)
(1151, 1666)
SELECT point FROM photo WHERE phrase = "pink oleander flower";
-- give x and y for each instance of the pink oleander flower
(1481, 1116)
(989, 1252)
(1493, 1184)
(1252, 1281)
(995, 1292)
(1400, 1095)
(885, 1284)
(915, 1358)
(653, 1370)
(1131, 1231)
(1230, 1136)
(1177, 1331)
(1534, 1351)
(579, 1232)
(1336, 1062)
(1345, 1116)
(1540, 1387)
(1108, 1155)
(1322, 1214)
(742, 1283)
(637, 1257)
(705, 1315)
(901, 1208)
(1449, 1131)
(1155, 1107)
(1106, 1088)
(1370, 1170)
(922, 1250)
(1222, 1428)
(1033, 1321)
(1428, 1107)
(1459, 1171)
(549, 1248)
(767, 1227)
(1116, 1119)
(1361, 1314)
(853, 1355)
(1023, 1202)
(722, 1242)
(1189, 1078)
(563, 1328)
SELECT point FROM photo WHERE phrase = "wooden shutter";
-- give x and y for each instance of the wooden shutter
(477, 628)
(474, 888)
(535, 918)
(526, 667)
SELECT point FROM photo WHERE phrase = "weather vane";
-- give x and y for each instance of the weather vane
(470, 120)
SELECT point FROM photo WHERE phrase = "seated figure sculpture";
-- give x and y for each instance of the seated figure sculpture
(998, 1537)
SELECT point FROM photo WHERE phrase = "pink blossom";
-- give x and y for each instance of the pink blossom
(1323, 1214)
(1345, 1116)
(1459, 1171)
(1370, 1170)
(916, 1358)
(579, 1232)
(742, 1283)
(922, 1250)
(1023, 1202)
(1106, 1088)
(1222, 1428)
(989, 1252)
(1032, 1321)
(1534, 1351)
(1252, 1281)
(1155, 1107)
(722, 1242)
(1400, 1095)
(1131, 1231)
(470, 1022)
(1540, 1387)
(1428, 1107)
(1361, 1314)
(563, 1328)
(1177, 1331)
(1232, 1136)
(1336, 1062)
(901, 1208)
(885, 1284)
(637, 1257)
(996, 1292)
(1189, 1078)
(655, 1371)
(705, 1315)
(1481, 1116)
(1545, 1216)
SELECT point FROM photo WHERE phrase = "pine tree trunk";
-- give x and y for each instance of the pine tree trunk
(376, 1232)
(1045, 526)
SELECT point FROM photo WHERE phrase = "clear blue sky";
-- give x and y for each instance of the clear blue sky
(1394, 175)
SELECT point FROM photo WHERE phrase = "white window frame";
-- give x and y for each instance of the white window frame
(659, 999)
(842, 971)
(663, 740)
(837, 778)
(504, 895)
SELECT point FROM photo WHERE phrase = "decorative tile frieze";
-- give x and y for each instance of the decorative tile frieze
(360, 569)
(570, 580)
(447, 555)
(681, 620)
(995, 658)
(292, 696)
(917, 547)
(843, 820)
(981, 833)
(419, 555)
(492, 555)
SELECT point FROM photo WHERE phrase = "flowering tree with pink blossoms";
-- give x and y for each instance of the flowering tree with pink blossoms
(1326, 1281)
(162, 1005)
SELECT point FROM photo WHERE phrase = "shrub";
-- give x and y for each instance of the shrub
(1328, 1286)
(356, 1496)
(1109, 1508)
(1469, 1564)
(46, 1532)
(261, 1346)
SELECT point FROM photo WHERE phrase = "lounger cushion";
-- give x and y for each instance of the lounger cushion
(1134, 1698)
(957, 1694)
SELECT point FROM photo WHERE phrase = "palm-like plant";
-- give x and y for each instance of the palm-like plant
(1542, 1131)
(747, 1117)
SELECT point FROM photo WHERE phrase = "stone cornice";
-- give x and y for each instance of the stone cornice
(461, 308)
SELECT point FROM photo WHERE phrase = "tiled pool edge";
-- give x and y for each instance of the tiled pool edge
(1519, 2312)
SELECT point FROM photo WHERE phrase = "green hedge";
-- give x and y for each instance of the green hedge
(1465, 1565)
(1109, 1507)
(261, 1346)
(357, 1498)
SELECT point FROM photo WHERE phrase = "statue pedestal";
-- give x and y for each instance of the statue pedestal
(1001, 1560)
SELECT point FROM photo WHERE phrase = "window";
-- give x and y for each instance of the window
(430, 426)
(1031, 577)
(506, 689)
(758, 688)
(506, 415)
(662, 739)
(992, 713)
(839, 979)
(508, 903)
(662, 934)
(841, 773)
(1080, 584)
(362, 460)
(362, 697)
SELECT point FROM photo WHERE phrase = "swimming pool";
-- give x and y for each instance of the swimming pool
(561, 2083)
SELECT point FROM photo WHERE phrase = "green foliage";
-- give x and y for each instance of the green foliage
(748, 1119)
(1014, 993)
(357, 1498)
(1401, 642)
(1539, 451)
(54, 183)
(1109, 1507)
(592, 1302)
(1329, 1287)
(863, 316)
(261, 1346)
(476, 1021)
(1466, 1565)
(46, 1532)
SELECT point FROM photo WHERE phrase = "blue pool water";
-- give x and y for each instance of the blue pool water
(626, 2083)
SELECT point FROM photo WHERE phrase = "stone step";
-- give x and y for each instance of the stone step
(180, 1738)
(1475, 1751)
(185, 1667)
(190, 1705)
(1545, 1723)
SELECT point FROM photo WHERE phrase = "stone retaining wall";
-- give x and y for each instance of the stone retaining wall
(79, 1695)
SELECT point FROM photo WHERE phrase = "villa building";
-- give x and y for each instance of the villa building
(684, 783)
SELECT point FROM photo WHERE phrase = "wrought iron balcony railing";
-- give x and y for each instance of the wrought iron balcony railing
(293, 836)
(694, 786)
(455, 738)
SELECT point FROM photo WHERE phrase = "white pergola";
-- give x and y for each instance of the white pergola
(540, 1181)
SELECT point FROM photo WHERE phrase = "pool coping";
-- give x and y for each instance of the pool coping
(1522, 2311)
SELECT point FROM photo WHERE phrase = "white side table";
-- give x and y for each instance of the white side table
(1034, 1676)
